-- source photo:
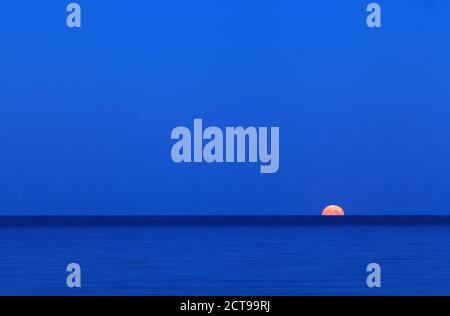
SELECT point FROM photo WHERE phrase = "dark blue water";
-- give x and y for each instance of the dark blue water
(225, 255)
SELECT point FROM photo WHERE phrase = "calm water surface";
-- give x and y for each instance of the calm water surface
(225, 255)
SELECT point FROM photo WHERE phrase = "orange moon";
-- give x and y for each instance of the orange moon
(333, 210)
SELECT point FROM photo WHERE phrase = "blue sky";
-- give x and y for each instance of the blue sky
(86, 114)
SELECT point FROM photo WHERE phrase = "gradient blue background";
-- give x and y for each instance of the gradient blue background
(86, 114)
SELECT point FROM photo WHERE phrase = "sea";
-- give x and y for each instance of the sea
(225, 255)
